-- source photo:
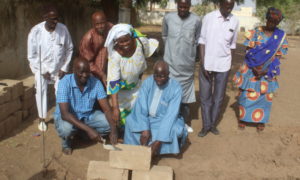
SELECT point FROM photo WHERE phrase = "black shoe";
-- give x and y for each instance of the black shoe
(214, 130)
(203, 132)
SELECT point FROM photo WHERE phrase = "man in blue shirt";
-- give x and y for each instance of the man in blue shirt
(155, 120)
(77, 94)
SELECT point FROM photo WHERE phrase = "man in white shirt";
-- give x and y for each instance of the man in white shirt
(49, 53)
(217, 42)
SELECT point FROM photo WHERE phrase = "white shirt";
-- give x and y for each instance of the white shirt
(56, 49)
(219, 36)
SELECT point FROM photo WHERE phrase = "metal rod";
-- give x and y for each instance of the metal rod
(42, 114)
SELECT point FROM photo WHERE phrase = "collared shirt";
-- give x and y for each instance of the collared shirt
(82, 103)
(54, 48)
(219, 36)
(92, 49)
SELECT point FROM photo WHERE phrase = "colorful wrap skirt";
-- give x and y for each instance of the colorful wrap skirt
(255, 95)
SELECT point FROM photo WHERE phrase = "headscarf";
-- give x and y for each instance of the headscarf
(274, 14)
(117, 31)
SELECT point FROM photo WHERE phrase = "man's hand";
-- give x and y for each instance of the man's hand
(93, 135)
(116, 115)
(155, 147)
(206, 73)
(104, 80)
(61, 74)
(47, 76)
(113, 136)
(145, 136)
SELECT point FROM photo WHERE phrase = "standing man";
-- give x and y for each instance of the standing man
(92, 46)
(217, 42)
(76, 95)
(49, 53)
(180, 33)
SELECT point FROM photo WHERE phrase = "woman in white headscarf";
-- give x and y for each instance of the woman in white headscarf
(127, 53)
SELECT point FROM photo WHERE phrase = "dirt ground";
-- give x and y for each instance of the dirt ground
(234, 154)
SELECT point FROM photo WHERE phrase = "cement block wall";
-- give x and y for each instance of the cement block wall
(17, 17)
(17, 103)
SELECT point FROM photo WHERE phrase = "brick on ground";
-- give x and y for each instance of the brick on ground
(25, 114)
(5, 95)
(28, 103)
(10, 123)
(101, 170)
(131, 157)
(8, 108)
(28, 81)
(155, 173)
(14, 86)
(29, 93)
(33, 110)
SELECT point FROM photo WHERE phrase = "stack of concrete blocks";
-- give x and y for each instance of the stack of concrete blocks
(128, 163)
(17, 103)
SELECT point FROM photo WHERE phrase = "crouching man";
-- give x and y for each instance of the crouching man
(76, 95)
(154, 120)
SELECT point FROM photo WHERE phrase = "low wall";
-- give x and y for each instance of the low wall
(156, 18)
(17, 17)
(17, 103)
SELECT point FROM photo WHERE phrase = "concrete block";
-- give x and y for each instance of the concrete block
(5, 95)
(28, 103)
(28, 81)
(15, 86)
(10, 107)
(29, 92)
(101, 170)
(25, 114)
(155, 173)
(18, 115)
(33, 111)
(131, 157)
(10, 124)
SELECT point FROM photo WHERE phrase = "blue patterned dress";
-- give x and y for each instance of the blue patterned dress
(256, 95)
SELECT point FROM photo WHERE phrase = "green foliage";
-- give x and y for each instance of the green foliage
(202, 9)
(215, 2)
(289, 8)
(143, 3)
(208, 6)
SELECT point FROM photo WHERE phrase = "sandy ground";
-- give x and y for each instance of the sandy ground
(234, 154)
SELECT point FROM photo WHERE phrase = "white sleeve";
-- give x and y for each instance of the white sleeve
(202, 39)
(69, 51)
(235, 35)
(33, 50)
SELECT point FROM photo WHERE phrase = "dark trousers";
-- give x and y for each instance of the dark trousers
(212, 93)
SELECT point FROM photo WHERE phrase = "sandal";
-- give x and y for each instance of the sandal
(241, 125)
(260, 127)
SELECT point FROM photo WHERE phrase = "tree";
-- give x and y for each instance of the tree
(209, 5)
(143, 3)
(289, 8)
(216, 2)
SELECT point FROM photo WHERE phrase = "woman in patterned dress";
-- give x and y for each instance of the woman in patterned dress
(127, 51)
(256, 78)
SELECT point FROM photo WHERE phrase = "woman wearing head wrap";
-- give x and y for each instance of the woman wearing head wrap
(127, 51)
(256, 78)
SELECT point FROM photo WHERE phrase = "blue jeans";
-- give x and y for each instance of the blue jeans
(65, 130)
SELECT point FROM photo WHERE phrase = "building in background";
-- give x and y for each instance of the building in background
(245, 13)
